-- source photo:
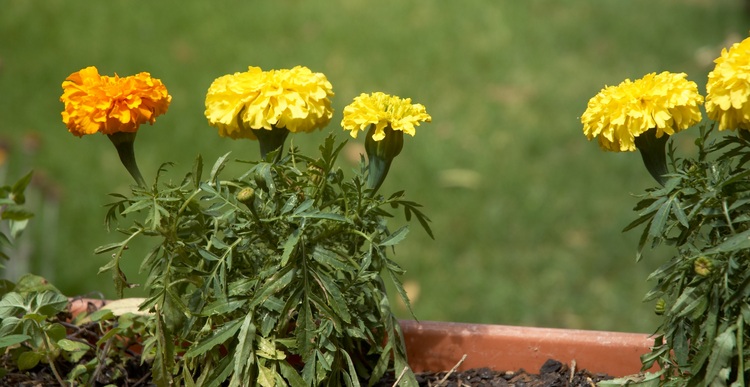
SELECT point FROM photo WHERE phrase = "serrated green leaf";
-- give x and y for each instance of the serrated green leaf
(291, 375)
(683, 303)
(323, 215)
(197, 171)
(220, 373)
(205, 187)
(400, 290)
(653, 205)
(222, 306)
(218, 336)
(304, 206)
(327, 257)
(280, 281)
(336, 299)
(352, 379)
(243, 353)
(721, 353)
(395, 237)
(656, 228)
(218, 166)
(680, 214)
(290, 245)
(207, 255)
(289, 205)
(733, 243)
(137, 206)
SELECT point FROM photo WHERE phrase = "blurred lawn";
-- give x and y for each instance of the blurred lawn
(526, 212)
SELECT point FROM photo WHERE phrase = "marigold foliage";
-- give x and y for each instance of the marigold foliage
(618, 114)
(296, 99)
(728, 88)
(108, 105)
(383, 110)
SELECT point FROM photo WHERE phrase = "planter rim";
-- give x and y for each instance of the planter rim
(434, 345)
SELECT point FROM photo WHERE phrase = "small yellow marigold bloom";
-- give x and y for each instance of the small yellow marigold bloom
(617, 115)
(383, 110)
(728, 88)
(296, 99)
(109, 105)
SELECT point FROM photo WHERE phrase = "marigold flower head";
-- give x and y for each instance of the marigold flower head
(108, 105)
(667, 102)
(383, 110)
(296, 99)
(728, 88)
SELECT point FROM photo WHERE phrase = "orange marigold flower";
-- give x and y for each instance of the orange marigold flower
(108, 105)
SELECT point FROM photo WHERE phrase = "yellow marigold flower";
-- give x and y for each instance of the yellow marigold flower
(296, 99)
(383, 110)
(728, 88)
(95, 103)
(667, 102)
(385, 118)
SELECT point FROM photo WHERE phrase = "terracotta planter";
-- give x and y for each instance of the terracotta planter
(439, 346)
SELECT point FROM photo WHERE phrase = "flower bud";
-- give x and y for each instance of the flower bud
(246, 196)
(660, 307)
(702, 266)
(381, 153)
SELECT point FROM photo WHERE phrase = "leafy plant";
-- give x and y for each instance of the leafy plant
(273, 276)
(37, 330)
(702, 293)
(13, 216)
(701, 211)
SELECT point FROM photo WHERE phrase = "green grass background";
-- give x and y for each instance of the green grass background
(527, 213)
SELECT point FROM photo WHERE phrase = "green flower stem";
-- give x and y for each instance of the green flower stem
(741, 350)
(271, 140)
(48, 348)
(123, 142)
(653, 154)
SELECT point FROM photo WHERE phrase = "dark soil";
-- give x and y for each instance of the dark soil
(552, 374)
